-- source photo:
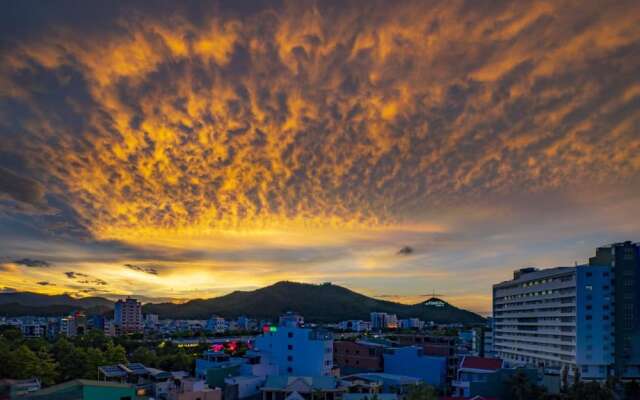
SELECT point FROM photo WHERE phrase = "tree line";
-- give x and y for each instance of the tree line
(62, 359)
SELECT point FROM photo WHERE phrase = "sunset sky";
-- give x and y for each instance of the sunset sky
(178, 150)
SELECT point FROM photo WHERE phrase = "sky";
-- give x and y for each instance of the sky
(177, 150)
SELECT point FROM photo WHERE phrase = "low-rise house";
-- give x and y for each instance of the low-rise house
(434, 345)
(385, 383)
(353, 357)
(474, 369)
(147, 381)
(285, 387)
(215, 367)
(12, 388)
(243, 386)
(191, 389)
(411, 361)
(355, 325)
(487, 377)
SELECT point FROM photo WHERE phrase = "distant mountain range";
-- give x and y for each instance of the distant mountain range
(317, 303)
(26, 303)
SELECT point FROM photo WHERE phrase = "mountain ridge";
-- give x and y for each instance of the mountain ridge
(317, 303)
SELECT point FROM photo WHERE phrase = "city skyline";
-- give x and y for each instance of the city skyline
(189, 151)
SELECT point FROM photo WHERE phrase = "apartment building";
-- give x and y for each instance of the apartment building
(357, 356)
(297, 350)
(381, 320)
(624, 261)
(128, 316)
(565, 317)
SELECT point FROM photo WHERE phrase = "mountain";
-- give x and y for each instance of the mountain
(42, 300)
(317, 303)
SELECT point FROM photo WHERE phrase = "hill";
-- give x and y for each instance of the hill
(317, 303)
(42, 300)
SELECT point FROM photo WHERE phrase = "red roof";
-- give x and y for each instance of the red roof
(489, 364)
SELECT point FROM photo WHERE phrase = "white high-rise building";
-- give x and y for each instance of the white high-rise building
(381, 320)
(556, 318)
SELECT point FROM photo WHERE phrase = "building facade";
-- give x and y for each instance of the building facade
(297, 350)
(381, 320)
(127, 316)
(623, 259)
(357, 356)
(582, 317)
(411, 361)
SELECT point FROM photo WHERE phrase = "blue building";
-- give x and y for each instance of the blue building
(582, 319)
(297, 350)
(411, 361)
(594, 321)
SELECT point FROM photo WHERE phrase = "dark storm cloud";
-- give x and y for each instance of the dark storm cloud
(45, 283)
(148, 269)
(25, 191)
(84, 279)
(28, 262)
(74, 275)
(406, 250)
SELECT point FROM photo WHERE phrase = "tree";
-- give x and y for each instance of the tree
(71, 359)
(95, 358)
(422, 392)
(565, 380)
(576, 376)
(590, 391)
(521, 388)
(632, 390)
(115, 354)
(145, 356)
(22, 363)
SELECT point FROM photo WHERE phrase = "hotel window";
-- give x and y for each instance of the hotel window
(588, 287)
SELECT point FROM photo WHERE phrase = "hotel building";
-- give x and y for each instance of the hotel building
(565, 317)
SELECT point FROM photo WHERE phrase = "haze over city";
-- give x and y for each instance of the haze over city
(179, 150)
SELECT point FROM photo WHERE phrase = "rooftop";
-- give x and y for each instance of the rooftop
(479, 363)
(281, 382)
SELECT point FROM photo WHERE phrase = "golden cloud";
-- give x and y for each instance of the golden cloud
(308, 117)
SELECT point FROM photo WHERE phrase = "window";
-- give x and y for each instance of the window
(290, 346)
(588, 317)
(589, 274)
(289, 370)
(588, 287)
(290, 334)
(289, 358)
